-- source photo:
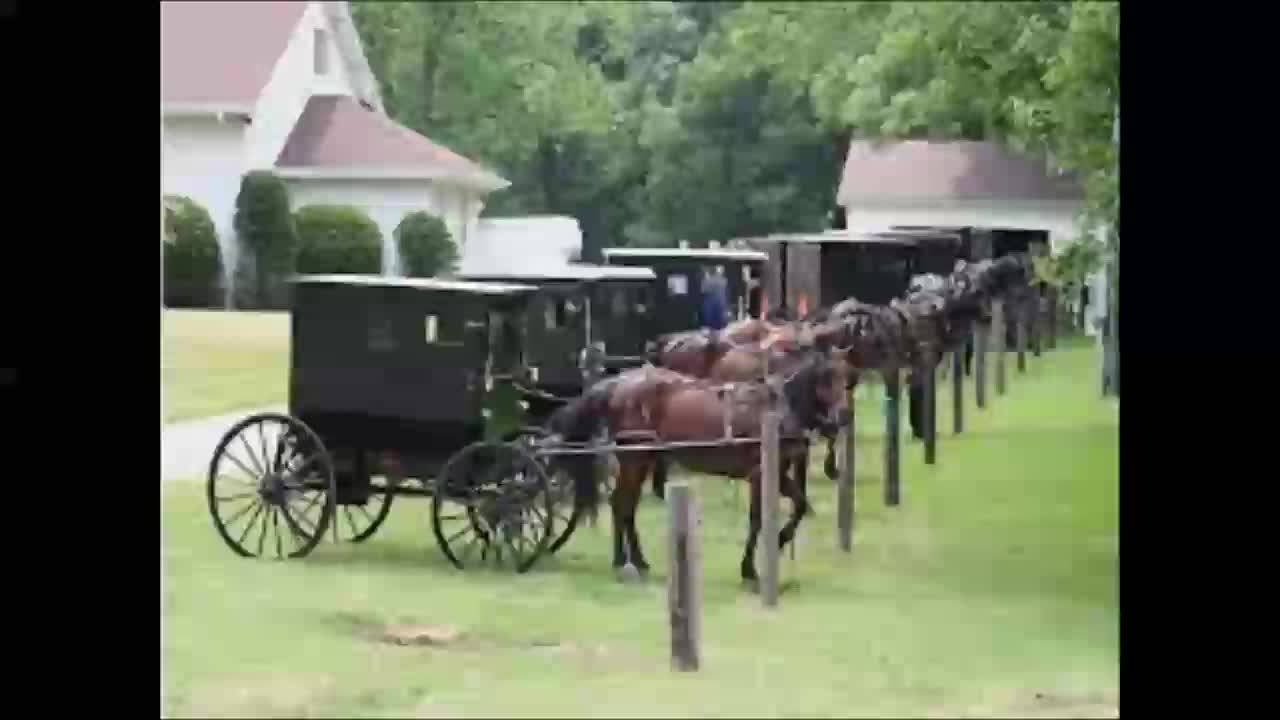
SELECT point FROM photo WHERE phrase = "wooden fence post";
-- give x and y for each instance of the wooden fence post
(593, 372)
(684, 585)
(893, 391)
(844, 482)
(981, 334)
(957, 391)
(999, 334)
(769, 527)
(930, 409)
(1037, 323)
(1021, 318)
(1051, 342)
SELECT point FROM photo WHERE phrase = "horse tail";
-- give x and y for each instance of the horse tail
(580, 420)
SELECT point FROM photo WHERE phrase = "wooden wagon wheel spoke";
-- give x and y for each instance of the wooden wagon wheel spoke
(252, 521)
(262, 444)
(242, 466)
(237, 496)
(295, 529)
(259, 471)
(262, 534)
(275, 529)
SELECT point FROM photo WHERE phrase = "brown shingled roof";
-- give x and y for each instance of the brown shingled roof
(948, 170)
(335, 131)
(222, 52)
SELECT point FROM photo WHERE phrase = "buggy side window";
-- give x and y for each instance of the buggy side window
(619, 308)
(432, 329)
(677, 284)
(557, 312)
(551, 313)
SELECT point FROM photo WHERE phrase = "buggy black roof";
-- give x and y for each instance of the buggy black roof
(922, 234)
(573, 272)
(437, 284)
(840, 237)
(692, 253)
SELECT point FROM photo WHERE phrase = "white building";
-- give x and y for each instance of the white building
(286, 87)
(962, 184)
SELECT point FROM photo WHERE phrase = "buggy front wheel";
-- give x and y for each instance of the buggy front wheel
(492, 504)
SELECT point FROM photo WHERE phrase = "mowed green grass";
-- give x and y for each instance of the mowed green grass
(214, 362)
(991, 591)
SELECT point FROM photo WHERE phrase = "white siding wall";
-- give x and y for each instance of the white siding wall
(1057, 218)
(387, 202)
(292, 82)
(204, 159)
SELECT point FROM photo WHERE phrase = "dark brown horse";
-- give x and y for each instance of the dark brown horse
(658, 405)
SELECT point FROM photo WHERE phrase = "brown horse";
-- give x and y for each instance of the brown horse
(658, 405)
(755, 346)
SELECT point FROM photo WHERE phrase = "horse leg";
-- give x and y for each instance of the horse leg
(627, 497)
(615, 505)
(800, 470)
(793, 488)
(829, 465)
(753, 531)
(633, 537)
(660, 477)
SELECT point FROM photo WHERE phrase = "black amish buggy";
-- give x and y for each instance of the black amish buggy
(580, 307)
(677, 292)
(874, 268)
(983, 243)
(937, 249)
(397, 387)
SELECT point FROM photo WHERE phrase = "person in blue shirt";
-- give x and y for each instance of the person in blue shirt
(715, 300)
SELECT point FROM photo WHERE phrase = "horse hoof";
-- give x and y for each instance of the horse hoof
(752, 585)
(629, 573)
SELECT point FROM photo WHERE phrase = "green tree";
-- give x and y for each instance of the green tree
(426, 250)
(265, 229)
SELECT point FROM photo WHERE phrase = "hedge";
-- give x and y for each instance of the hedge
(426, 249)
(337, 239)
(267, 237)
(193, 261)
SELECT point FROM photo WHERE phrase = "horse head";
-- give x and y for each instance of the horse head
(815, 393)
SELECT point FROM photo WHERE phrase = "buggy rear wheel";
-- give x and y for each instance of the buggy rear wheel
(492, 503)
(274, 470)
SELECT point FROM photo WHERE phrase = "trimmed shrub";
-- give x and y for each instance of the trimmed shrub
(337, 239)
(267, 236)
(426, 249)
(192, 262)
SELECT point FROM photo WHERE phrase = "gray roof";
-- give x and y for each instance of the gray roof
(839, 236)
(480, 288)
(571, 271)
(700, 253)
(925, 170)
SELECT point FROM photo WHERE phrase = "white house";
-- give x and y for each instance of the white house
(961, 184)
(286, 87)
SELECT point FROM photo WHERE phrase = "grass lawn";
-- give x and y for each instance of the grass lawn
(213, 362)
(991, 591)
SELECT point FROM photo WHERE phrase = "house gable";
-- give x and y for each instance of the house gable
(312, 63)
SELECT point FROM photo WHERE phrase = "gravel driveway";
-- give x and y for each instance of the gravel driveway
(186, 447)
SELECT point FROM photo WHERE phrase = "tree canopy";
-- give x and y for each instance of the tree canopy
(654, 122)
